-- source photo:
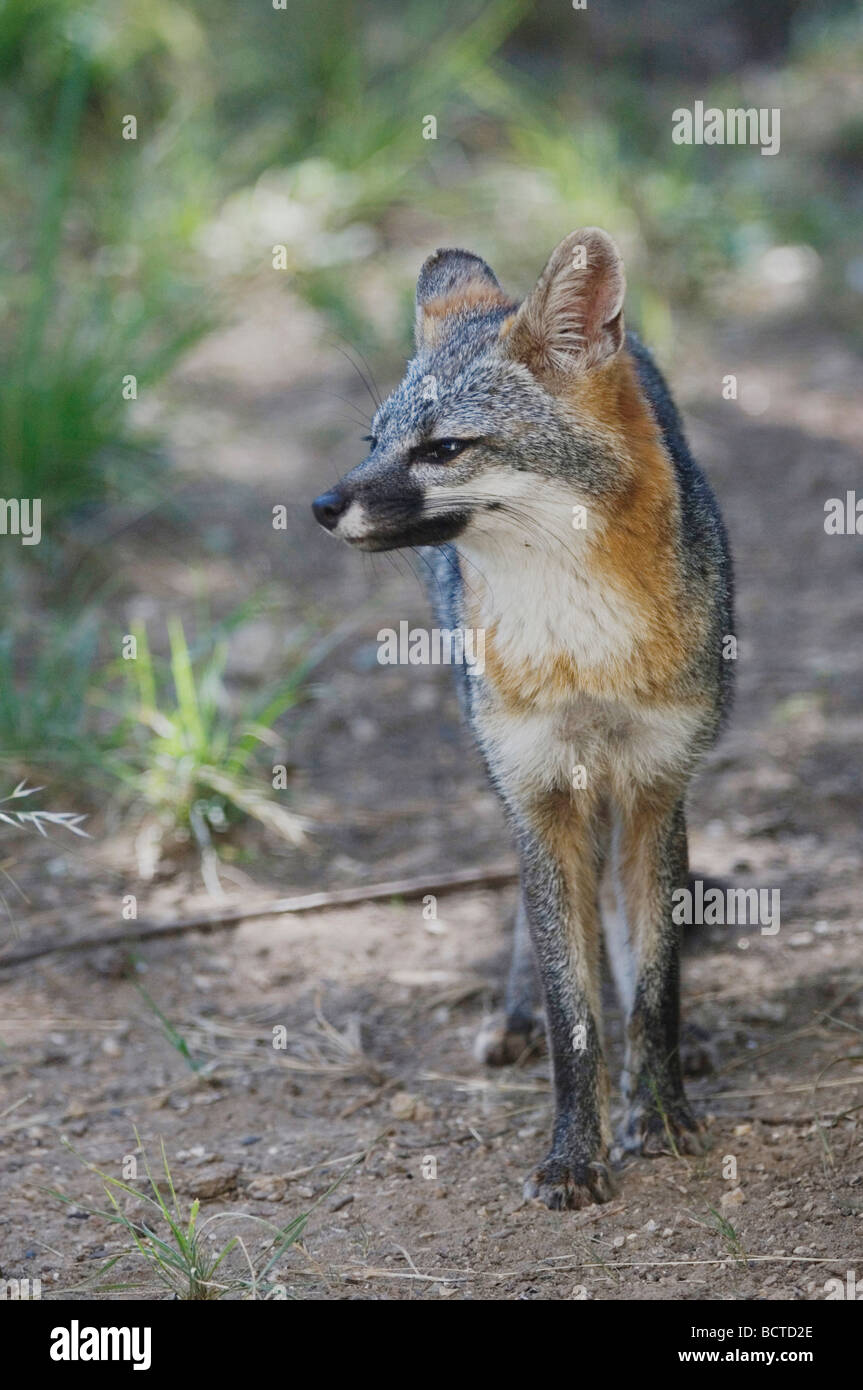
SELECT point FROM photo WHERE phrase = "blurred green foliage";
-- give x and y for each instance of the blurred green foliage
(304, 126)
(97, 279)
(44, 683)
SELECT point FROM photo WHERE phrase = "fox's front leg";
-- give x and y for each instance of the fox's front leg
(559, 882)
(651, 862)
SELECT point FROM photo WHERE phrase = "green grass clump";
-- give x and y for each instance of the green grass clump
(175, 1247)
(188, 752)
(162, 737)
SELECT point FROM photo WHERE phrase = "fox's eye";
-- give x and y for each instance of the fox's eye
(371, 439)
(442, 450)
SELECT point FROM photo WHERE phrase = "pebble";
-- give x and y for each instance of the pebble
(404, 1106)
(266, 1187)
(732, 1198)
(216, 1180)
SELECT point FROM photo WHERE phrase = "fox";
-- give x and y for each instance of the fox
(533, 455)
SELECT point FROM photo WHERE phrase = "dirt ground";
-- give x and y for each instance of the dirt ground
(380, 1005)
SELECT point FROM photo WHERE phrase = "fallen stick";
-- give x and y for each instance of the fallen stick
(492, 876)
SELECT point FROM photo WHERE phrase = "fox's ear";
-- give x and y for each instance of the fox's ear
(452, 282)
(573, 319)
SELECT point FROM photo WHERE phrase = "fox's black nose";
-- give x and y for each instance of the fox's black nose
(329, 507)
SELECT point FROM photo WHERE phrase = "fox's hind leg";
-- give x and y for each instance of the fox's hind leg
(508, 1035)
(650, 861)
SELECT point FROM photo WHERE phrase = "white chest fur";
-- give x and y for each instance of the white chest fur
(544, 597)
(539, 607)
(588, 743)
(532, 578)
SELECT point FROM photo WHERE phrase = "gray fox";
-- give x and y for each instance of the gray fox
(535, 450)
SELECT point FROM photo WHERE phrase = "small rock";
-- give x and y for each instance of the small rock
(216, 1180)
(732, 1198)
(404, 1106)
(267, 1187)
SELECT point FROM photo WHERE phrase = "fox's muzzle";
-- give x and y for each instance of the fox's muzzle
(384, 511)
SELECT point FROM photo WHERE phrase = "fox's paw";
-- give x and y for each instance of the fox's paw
(652, 1131)
(565, 1184)
(501, 1041)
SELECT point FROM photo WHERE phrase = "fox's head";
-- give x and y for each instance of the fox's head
(497, 406)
